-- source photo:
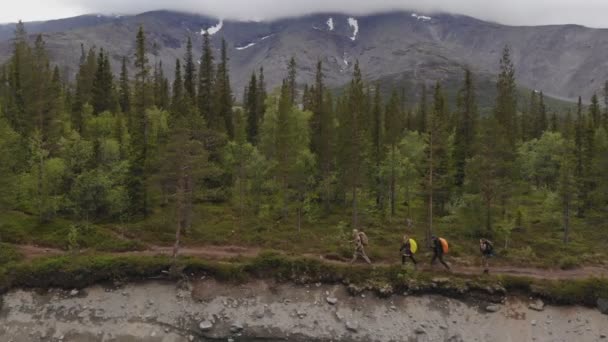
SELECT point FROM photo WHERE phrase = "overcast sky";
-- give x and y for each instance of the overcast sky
(592, 13)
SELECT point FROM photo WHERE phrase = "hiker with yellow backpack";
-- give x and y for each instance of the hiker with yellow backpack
(440, 247)
(408, 249)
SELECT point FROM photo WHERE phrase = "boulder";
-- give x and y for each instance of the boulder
(537, 305)
(492, 308)
(602, 305)
(236, 327)
(332, 300)
(420, 331)
(205, 325)
(351, 326)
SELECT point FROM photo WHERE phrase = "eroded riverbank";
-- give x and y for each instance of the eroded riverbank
(205, 310)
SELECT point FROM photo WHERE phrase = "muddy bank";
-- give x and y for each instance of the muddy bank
(206, 310)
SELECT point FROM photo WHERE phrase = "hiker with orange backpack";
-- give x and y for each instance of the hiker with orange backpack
(360, 241)
(440, 247)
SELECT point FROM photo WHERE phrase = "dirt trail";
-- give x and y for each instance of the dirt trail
(229, 252)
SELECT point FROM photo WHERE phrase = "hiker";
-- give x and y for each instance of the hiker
(487, 251)
(408, 248)
(440, 247)
(360, 241)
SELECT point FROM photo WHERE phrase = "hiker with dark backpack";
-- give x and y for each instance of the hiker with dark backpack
(360, 241)
(487, 251)
(440, 247)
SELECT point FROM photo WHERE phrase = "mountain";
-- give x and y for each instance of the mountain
(564, 61)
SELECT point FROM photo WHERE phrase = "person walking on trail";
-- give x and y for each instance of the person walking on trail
(487, 251)
(407, 250)
(440, 247)
(360, 241)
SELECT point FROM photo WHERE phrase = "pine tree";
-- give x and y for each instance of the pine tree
(553, 126)
(541, 120)
(506, 100)
(223, 95)
(437, 181)
(205, 84)
(252, 110)
(177, 102)
(291, 79)
(352, 131)
(322, 130)
(377, 145)
(567, 187)
(595, 113)
(261, 91)
(422, 111)
(393, 128)
(124, 88)
(466, 127)
(189, 73)
(579, 130)
(102, 85)
(138, 173)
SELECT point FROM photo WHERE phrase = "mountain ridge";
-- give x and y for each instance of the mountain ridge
(564, 61)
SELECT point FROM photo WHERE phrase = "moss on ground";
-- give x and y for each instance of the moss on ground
(81, 271)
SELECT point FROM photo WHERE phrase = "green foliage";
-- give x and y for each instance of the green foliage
(109, 153)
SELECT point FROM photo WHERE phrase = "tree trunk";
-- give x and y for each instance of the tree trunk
(299, 218)
(429, 232)
(393, 180)
(489, 215)
(178, 214)
(355, 218)
(567, 220)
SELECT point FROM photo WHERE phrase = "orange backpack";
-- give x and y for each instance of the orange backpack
(444, 245)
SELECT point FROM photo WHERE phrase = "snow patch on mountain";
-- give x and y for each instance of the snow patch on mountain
(421, 17)
(330, 24)
(352, 22)
(213, 29)
(253, 43)
(245, 47)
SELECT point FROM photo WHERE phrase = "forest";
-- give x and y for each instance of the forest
(113, 162)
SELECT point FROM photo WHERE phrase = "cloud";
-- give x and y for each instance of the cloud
(514, 12)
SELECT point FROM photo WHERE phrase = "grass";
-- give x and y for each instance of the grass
(20, 228)
(537, 243)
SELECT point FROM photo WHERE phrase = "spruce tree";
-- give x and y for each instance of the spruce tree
(506, 100)
(124, 88)
(595, 113)
(322, 133)
(177, 101)
(466, 127)
(261, 91)
(102, 85)
(138, 173)
(422, 111)
(291, 79)
(377, 145)
(352, 142)
(223, 95)
(205, 84)
(189, 73)
(252, 110)
(393, 128)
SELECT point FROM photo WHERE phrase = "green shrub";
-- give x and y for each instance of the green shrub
(569, 263)
(8, 253)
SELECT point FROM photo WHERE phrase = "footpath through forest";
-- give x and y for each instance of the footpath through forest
(230, 252)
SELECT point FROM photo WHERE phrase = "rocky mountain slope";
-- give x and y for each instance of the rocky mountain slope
(562, 60)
